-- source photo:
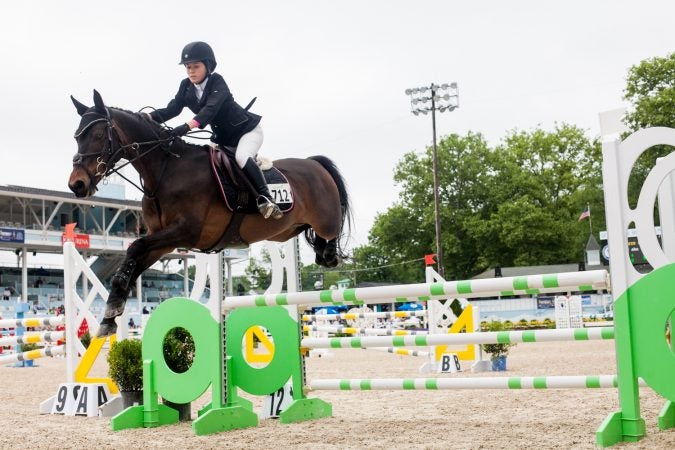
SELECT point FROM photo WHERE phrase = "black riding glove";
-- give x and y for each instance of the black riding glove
(181, 130)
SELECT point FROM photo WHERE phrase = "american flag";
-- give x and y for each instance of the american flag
(586, 213)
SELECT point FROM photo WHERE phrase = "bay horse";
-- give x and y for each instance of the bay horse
(182, 206)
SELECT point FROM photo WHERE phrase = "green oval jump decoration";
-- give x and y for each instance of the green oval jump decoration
(650, 301)
(286, 360)
(225, 370)
(189, 385)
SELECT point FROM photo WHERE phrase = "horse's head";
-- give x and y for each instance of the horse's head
(97, 147)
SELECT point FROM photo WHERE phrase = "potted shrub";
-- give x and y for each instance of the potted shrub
(498, 352)
(179, 352)
(28, 348)
(125, 367)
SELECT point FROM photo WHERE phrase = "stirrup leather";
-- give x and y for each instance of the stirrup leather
(268, 208)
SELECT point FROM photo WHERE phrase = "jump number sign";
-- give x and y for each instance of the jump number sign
(277, 401)
(281, 192)
(80, 399)
(449, 363)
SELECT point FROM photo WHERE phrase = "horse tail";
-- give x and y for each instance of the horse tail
(345, 205)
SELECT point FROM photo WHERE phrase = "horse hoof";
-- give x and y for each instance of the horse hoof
(107, 328)
(333, 262)
(114, 308)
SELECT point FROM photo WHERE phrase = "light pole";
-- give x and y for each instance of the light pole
(444, 97)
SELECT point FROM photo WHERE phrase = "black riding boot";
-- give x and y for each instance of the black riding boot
(266, 206)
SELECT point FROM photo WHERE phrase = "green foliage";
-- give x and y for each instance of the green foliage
(515, 204)
(29, 347)
(496, 350)
(259, 275)
(456, 307)
(86, 339)
(192, 270)
(179, 349)
(313, 274)
(240, 281)
(650, 89)
(125, 365)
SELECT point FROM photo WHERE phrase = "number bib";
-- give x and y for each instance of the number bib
(281, 193)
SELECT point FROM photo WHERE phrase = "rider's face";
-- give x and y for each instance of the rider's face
(196, 71)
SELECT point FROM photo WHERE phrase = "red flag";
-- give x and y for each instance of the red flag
(429, 259)
(69, 234)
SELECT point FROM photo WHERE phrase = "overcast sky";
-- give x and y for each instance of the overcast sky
(329, 76)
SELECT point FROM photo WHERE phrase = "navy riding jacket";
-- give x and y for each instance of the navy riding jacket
(228, 120)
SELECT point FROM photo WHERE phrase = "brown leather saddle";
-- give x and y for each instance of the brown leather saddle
(238, 193)
(240, 196)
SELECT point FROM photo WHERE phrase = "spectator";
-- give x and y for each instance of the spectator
(132, 324)
(145, 310)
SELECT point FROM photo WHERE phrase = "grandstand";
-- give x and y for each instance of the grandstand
(32, 223)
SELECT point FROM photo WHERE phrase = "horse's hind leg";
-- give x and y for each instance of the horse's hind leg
(330, 256)
(319, 248)
(326, 252)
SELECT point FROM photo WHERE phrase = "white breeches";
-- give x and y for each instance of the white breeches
(248, 145)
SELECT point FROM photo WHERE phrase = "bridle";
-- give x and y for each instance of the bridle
(114, 150)
(101, 164)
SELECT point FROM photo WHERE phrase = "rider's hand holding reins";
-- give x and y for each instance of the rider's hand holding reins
(181, 130)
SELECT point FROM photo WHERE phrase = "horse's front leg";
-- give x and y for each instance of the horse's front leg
(142, 253)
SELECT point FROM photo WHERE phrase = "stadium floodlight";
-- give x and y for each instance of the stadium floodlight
(443, 98)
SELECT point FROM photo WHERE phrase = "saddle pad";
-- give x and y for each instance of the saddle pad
(243, 200)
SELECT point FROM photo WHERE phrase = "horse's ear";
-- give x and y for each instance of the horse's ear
(98, 103)
(79, 106)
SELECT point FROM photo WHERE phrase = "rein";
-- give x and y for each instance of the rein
(102, 169)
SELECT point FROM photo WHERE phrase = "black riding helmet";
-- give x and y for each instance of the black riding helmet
(199, 51)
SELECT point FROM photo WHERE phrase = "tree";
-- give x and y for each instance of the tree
(650, 88)
(541, 182)
(192, 269)
(407, 231)
(516, 204)
(313, 274)
(259, 276)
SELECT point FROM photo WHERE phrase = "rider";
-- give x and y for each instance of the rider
(207, 95)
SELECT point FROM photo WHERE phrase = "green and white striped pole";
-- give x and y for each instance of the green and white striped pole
(508, 286)
(544, 382)
(492, 337)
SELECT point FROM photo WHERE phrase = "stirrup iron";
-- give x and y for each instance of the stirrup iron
(268, 208)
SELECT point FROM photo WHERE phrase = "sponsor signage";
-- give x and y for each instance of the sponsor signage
(545, 302)
(12, 235)
(80, 240)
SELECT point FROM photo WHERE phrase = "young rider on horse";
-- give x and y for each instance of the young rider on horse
(207, 95)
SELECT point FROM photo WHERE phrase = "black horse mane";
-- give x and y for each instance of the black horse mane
(157, 128)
